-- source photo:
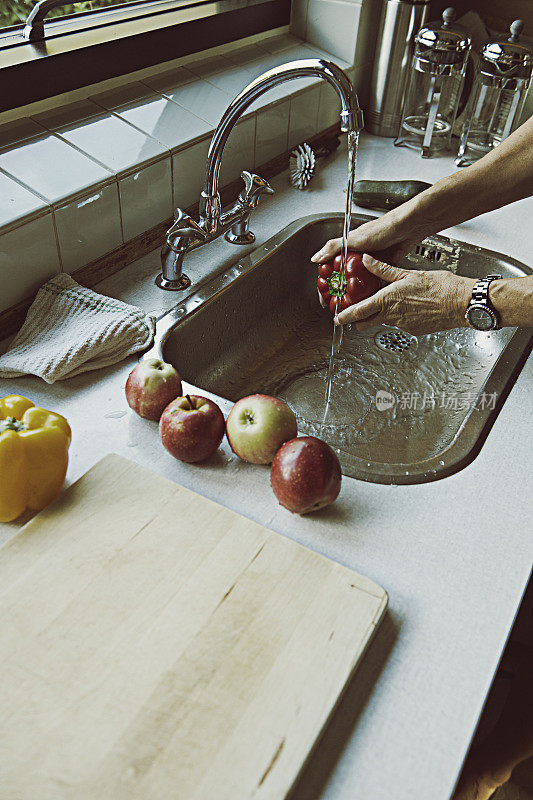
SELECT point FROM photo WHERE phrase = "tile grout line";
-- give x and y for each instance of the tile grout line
(121, 220)
(56, 234)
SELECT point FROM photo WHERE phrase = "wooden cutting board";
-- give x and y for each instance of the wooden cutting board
(157, 645)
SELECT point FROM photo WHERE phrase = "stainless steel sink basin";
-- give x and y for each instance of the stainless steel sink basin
(404, 409)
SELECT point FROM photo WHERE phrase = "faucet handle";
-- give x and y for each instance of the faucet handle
(254, 187)
(184, 234)
(183, 231)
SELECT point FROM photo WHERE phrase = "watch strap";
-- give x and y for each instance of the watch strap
(480, 292)
(480, 296)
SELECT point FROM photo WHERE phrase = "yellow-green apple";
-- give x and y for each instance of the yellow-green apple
(191, 428)
(305, 475)
(258, 425)
(150, 387)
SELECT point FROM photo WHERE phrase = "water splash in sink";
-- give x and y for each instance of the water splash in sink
(424, 389)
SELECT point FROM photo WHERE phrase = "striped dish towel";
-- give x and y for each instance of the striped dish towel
(69, 330)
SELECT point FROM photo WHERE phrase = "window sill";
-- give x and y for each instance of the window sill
(73, 55)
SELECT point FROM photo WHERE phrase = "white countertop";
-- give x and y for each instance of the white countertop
(454, 555)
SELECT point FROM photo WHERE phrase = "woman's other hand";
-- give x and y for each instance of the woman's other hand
(417, 301)
(381, 237)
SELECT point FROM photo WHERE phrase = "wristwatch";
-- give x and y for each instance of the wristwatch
(480, 313)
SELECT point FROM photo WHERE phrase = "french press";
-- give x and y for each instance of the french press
(500, 88)
(437, 75)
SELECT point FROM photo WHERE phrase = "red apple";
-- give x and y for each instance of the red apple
(150, 387)
(257, 425)
(305, 475)
(191, 428)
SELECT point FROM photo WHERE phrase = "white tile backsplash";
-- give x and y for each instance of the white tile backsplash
(218, 70)
(145, 198)
(333, 25)
(105, 137)
(67, 115)
(88, 227)
(51, 167)
(167, 122)
(157, 116)
(189, 174)
(239, 152)
(272, 131)
(242, 55)
(329, 107)
(270, 98)
(200, 98)
(105, 169)
(28, 258)
(299, 18)
(123, 95)
(304, 115)
(170, 79)
(17, 202)
(276, 44)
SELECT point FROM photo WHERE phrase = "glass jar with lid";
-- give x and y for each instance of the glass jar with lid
(500, 88)
(435, 86)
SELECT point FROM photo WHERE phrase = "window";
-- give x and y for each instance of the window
(110, 38)
(14, 12)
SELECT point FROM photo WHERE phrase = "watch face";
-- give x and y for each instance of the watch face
(480, 318)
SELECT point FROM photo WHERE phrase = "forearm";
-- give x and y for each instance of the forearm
(501, 177)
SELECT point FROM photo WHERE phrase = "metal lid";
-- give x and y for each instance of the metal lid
(508, 55)
(443, 41)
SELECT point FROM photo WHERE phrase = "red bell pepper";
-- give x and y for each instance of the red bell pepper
(342, 288)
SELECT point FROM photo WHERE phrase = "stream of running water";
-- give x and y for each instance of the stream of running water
(336, 339)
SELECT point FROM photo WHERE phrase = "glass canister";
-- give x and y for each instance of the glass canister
(436, 82)
(500, 88)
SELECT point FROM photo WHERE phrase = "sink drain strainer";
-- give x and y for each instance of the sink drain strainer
(395, 341)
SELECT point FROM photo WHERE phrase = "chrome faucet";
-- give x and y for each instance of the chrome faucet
(186, 234)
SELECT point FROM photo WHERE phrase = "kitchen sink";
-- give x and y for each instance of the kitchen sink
(404, 409)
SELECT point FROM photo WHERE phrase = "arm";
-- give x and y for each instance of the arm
(501, 177)
(427, 301)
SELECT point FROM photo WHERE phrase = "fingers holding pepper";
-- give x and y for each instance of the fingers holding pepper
(417, 301)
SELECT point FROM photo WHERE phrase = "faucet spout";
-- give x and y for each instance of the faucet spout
(186, 234)
(351, 119)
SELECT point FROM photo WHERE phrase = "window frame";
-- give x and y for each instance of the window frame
(122, 39)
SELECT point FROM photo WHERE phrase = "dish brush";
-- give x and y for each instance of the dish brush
(302, 162)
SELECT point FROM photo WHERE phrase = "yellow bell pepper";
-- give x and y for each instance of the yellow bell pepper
(33, 456)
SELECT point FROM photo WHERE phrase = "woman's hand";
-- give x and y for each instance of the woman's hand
(417, 301)
(423, 302)
(384, 238)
